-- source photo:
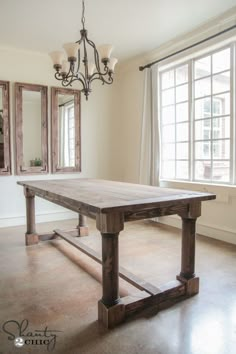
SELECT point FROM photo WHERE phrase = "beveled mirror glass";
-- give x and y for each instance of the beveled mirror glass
(31, 129)
(5, 154)
(65, 130)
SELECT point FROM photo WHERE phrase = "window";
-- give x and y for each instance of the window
(196, 119)
(71, 135)
(67, 136)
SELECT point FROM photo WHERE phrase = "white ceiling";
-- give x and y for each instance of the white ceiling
(133, 26)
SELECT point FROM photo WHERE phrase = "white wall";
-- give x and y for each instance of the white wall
(96, 125)
(127, 109)
(218, 217)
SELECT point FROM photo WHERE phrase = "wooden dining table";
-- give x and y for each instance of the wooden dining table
(112, 204)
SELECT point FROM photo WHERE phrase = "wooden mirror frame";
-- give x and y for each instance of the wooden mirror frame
(4, 85)
(20, 168)
(55, 91)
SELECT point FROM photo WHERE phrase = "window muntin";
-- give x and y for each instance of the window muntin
(196, 119)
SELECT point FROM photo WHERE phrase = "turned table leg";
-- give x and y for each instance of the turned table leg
(82, 226)
(31, 236)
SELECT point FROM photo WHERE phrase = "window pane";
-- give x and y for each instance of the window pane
(168, 169)
(221, 82)
(182, 169)
(221, 128)
(182, 151)
(72, 144)
(168, 97)
(203, 87)
(168, 114)
(182, 74)
(221, 104)
(182, 93)
(202, 67)
(203, 129)
(182, 112)
(182, 132)
(203, 150)
(221, 60)
(71, 132)
(168, 79)
(221, 171)
(203, 108)
(71, 123)
(168, 133)
(168, 151)
(203, 170)
(221, 149)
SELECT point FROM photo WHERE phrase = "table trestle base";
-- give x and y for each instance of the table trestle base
(172, 293)
(148, 295)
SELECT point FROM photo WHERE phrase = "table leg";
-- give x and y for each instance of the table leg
(188, 248)
(82, 226)
(110, 310)
(110, 269)
(31, 236)
(187, 274)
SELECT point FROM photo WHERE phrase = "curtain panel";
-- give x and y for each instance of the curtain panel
(150, 137)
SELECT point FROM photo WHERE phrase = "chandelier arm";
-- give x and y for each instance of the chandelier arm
(79, 42)
(78, 66)
(65, 83)
(104, 81)
(96, 55)
(76, 77)
(85, 60)
(57, 75)
(80, 78)
(100, 75)
(71, 69)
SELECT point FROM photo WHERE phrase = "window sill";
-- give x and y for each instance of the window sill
(223, 191)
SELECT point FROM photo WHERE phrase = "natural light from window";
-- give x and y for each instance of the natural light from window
(196, 119)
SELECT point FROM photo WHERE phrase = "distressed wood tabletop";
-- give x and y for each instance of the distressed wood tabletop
(108, 196)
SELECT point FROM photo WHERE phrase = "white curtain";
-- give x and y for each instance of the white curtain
(150, 148)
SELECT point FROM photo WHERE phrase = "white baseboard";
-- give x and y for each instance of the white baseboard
(217, 233)
(52, 216)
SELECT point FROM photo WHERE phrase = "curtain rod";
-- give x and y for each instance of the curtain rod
(63, 104)
(141, 68)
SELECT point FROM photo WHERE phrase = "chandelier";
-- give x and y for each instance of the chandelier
(84, 61)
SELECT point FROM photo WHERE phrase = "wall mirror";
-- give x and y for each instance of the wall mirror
(5, 153)
(31, 129)
(66, 141)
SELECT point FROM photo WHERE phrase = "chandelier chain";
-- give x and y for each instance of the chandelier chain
(83, 14)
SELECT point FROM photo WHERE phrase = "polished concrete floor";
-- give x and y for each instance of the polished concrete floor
(56, 288)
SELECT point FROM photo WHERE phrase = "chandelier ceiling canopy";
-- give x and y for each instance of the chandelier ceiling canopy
(84, 61)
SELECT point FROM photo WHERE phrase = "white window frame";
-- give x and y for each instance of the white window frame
(175, 104)
(191, 100)
(68, 107)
